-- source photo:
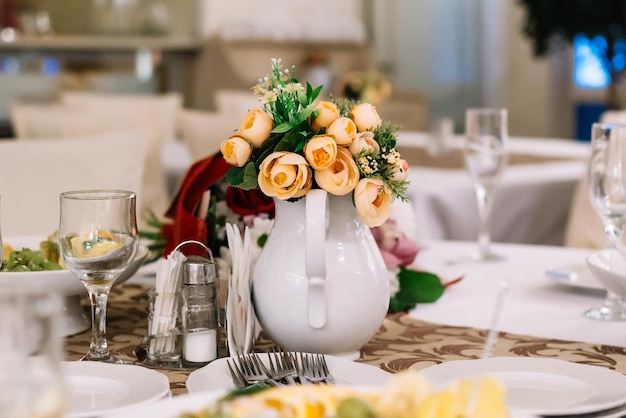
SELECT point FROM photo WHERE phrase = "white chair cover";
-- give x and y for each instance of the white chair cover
(33, 173)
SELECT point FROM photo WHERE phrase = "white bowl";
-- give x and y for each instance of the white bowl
(609, 268)
(63, 282)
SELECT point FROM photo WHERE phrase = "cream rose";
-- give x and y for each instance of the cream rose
(327, 113)
(236, 150)
(255, 127)
(341, 177)
(343, 129)
(373, 201)
(364, 141)
(400, 171)
(284, 175)
(320, 151)
(365, 117)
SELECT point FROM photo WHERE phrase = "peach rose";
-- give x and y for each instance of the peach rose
(400, 171)
(326, 112)
(320, 151)
(284, 175)
(365, 117)
(343, 129)
(364, 141)
(341, 177)
(236, 150)
(373, 201)
(255, 127)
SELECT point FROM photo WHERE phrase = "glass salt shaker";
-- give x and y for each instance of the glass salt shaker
(201, 334)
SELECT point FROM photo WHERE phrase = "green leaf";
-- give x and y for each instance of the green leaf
(302, 97)
(282, 128)
(289, 143)
(316, 93)
(235, 175)
(250, 177)
(415, 287)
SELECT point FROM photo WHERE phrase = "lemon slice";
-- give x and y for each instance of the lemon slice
(88, 247)
(6, 251)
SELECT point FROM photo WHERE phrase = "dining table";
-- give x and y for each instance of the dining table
(541, 317)
(532, 200)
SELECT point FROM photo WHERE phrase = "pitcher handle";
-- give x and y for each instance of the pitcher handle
(315, 255)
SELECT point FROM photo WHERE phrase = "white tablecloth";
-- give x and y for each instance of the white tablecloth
(531, 204)
(535, 304)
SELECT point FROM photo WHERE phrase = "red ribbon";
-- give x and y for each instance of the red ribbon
(186, 225)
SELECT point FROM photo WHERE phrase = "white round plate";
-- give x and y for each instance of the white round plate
(194, 402)
(98, 388)
(541, 386)
(62, 281)
(215, 375)
(575, 275)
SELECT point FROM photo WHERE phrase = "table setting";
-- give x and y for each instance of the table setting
(309, 290)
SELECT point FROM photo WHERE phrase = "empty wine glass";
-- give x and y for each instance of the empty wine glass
(607, 191)
(31, 378)
(98, 239)
(486, 156)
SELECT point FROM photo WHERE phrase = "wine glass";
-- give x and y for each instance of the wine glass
(486, 156)
(31, 378)
(607, 191)
(98, 239)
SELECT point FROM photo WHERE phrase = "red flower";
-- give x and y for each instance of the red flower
(249, 202)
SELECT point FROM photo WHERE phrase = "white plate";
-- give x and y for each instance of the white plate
(574, 275)
(170, 408)
(99, 388)
(541, 386)
(192, 403)
(215, 375)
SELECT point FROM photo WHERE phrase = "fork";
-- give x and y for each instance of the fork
(252, 370)
(315, 369)
(282, 365)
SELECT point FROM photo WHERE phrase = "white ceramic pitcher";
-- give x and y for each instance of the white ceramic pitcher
(320, 284)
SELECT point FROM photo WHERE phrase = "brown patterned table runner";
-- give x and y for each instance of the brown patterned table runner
(418, 156)
(401, 343)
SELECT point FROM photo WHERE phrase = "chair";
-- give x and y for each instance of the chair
(33, 173)
(78, 114)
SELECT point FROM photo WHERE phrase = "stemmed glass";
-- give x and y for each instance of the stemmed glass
(98, 239)
(486, 156)
(607, 191)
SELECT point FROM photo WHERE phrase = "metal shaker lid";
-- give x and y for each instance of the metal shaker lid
(198, 270)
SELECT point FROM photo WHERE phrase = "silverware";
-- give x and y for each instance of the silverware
(283, 366)
(314, 368)
(253, 371)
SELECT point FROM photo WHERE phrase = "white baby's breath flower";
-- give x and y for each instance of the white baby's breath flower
(293, 88)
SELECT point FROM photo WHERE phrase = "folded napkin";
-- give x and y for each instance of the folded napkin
(240, 315)
(186, 225)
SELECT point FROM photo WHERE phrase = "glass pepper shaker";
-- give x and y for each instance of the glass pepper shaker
(199, 312)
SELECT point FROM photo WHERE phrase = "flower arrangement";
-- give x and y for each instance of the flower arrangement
(295, 143)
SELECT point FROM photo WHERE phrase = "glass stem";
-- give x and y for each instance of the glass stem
(98, 348)
(485, 201)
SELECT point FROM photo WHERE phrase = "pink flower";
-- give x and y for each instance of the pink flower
(396, 248)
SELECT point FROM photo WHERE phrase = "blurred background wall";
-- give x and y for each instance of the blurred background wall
(439, 56)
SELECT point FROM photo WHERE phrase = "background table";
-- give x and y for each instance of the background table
(531, 204)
